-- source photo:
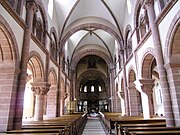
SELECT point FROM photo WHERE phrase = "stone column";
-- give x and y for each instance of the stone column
(72, 87)
(31, 8)
(121, 95)
(52, 102)
(126, 100)
(62, 103)
(173, 68)
(133, 102)
(112, 89)
(40, 89)
(147, 88)
(160, 63)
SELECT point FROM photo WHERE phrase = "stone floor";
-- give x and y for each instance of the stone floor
(93, 127)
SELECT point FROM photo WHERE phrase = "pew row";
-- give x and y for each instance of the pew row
(64, 125)
(114, 122)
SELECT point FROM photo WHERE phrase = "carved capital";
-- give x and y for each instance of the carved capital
(147, 85)
(64, 95)
(121, 52)
(31, 5)
(40, 88)
(148, 3)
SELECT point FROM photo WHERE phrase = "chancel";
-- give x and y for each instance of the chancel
(90, 67)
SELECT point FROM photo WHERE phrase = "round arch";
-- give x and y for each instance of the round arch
(170, 37)
(52, 79)
(87, 52)
(108, 29)
(36, 65)
(10, 45)
(148, 58)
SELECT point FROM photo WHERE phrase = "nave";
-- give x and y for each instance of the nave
(93, 127)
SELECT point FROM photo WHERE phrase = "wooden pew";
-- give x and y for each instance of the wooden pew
(72, 123)
(30, 134)
(134, 129)
(135, 120)
(112, 119)
(124, 128)
(27, 131)
(105, 119)
(120, 128)
(64, 125)
(164, 132)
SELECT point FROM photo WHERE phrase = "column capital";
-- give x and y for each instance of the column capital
(122, 94)
(63, 95)
(147, 3)
(40, 88)
(121, 51)
(31, 5)
(147, 85)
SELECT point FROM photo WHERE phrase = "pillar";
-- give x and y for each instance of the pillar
(122, 97)
(31, 8)
(112, 90)
(147, 88)
(173, 68)
(133, 102)
(72, 89)
(160, 63)
(8, 95)
(40, 89)
(126, 100)
(52, 102)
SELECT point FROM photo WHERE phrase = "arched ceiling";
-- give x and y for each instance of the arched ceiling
(73, 13)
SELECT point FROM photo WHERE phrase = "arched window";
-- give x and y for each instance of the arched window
(141, 22)
(17, 5)
(115, 64)
(40, 25)
(80, 88)
(92, 88)
(53, 49)
(100, 89)
(63, 63)
(163, 3)
(120, 61)
(53, 43)
(85, 88)
(128, 42)
(158, 93)
(39, 30)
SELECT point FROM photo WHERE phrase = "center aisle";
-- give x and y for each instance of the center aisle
(93, 127)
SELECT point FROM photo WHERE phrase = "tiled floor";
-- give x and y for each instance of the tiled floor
(93, 127)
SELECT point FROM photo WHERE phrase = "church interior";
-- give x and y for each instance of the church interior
(82, 67)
